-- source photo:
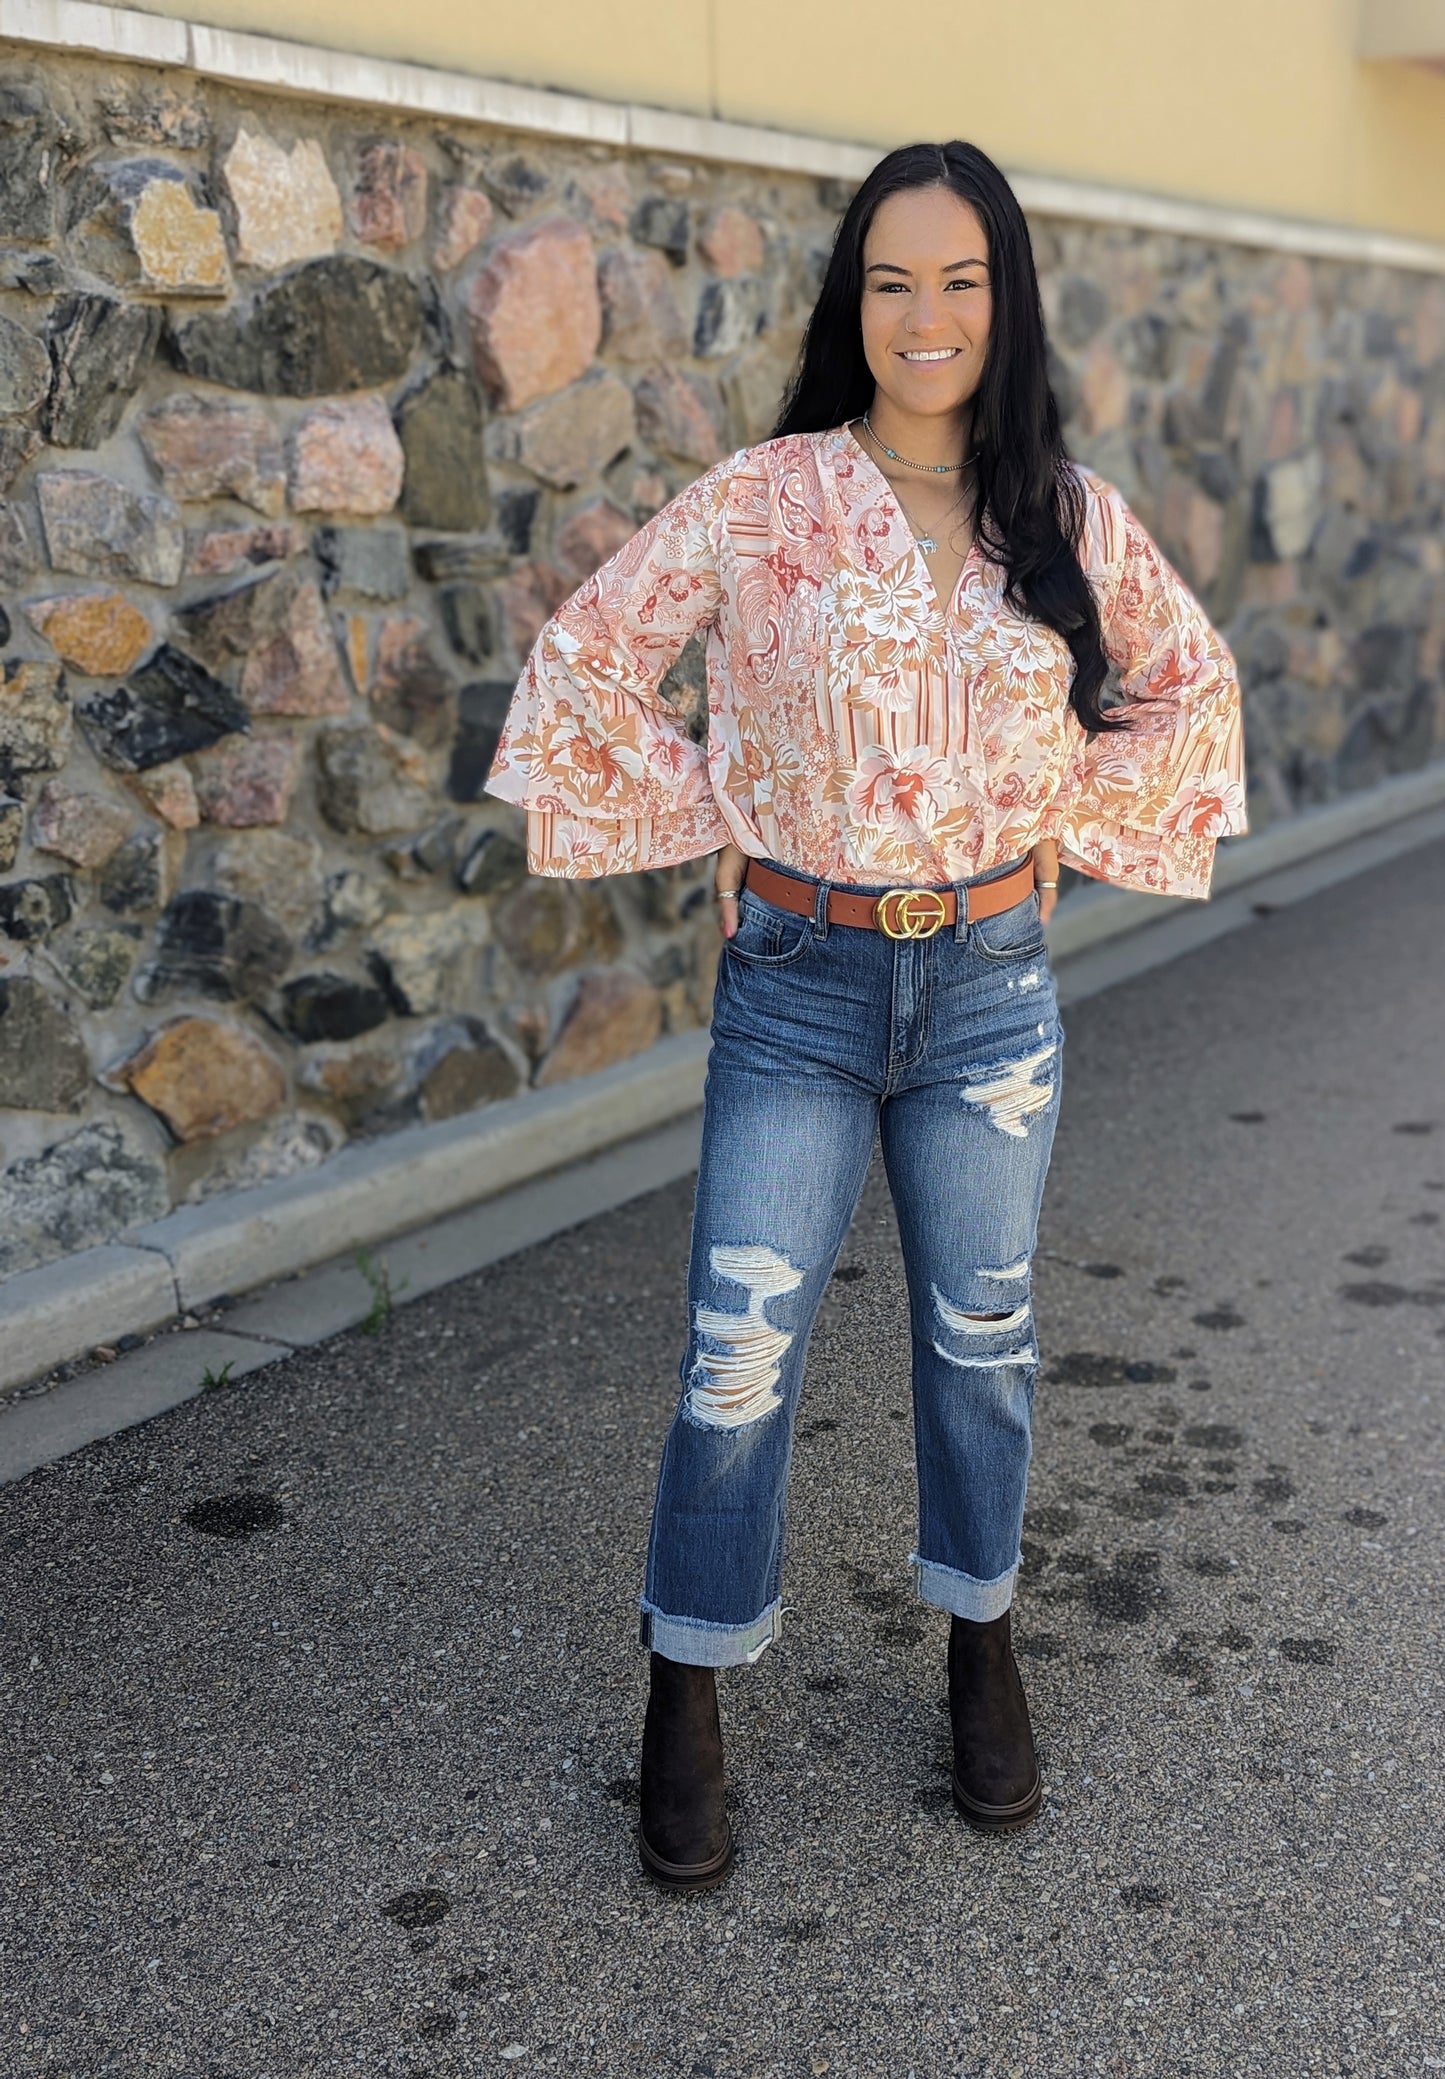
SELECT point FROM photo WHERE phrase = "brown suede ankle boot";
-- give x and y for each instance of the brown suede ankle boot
(996, 1780)
(685, 1840)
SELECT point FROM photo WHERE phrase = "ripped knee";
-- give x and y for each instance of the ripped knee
(987, 1339)
(734, 1379)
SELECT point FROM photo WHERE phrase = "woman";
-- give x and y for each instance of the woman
(912, 602)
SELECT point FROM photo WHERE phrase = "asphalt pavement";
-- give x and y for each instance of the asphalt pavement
(322, 1693)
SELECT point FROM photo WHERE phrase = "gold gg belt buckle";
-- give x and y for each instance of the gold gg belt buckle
(911, 912)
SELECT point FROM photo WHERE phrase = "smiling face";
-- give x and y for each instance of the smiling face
(927, 305)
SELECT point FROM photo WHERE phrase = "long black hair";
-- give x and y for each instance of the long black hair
(1030, 503)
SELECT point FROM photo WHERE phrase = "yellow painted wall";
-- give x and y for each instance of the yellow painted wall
(1259, 103)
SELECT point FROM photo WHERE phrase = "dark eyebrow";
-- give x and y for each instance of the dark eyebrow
(888, 267)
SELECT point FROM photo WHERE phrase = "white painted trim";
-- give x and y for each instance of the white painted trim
(281, 66)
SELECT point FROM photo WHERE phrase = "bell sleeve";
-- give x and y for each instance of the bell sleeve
(1144, 806)
(603, 765)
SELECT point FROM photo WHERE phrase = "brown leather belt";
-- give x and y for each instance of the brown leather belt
(898, 912)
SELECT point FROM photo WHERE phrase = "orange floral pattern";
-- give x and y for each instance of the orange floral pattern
(857, 729)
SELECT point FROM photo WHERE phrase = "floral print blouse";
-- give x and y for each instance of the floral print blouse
(858, 731)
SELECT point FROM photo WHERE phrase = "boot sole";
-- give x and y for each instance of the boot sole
(999, 1819)
(687, 1876)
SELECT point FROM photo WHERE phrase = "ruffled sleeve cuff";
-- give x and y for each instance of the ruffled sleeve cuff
(1142, 859)
(581, 848)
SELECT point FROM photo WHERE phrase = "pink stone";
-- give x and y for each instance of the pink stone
(615, 1015)
(732, 242)
(346, 458)
(535, 316)
(169, 792)
(227, 549)
(206, 447)
(586, 540)
(83, 828)
(1105, 390)
(680, 413)
(641, 319)
(388, 204)
(529, 597)
(247, 780)
(569, 437)
(277, 626)
(412, 693)
(606, 194)
(466, 220)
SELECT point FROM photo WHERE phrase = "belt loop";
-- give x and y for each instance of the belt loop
(960, 922)
(820, 909)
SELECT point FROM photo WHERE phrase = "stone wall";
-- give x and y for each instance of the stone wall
(309, 417)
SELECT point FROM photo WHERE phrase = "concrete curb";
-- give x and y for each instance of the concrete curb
(412, 1183)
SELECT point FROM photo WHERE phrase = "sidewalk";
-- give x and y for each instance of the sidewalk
(323, 1693)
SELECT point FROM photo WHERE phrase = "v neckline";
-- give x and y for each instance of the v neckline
(945, 612)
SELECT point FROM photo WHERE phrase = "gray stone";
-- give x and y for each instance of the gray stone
(1083, 309)
(43, 1062)
(31, 910)
(662, 221)
(75, 1194)
(35, 720)
(330, 1006)
(171, 706)
(328, 326)
(515, 181)
(137, 110)
(276, 868)
(35, 274)
(17, 549)
(96, 527)
(516, 517)
(352, 903)
(469, 617)
(19, 444)
(135, 877)
(371, 562)
(96, 964)
(493, 863)
(729, 314)
(471, 557)
(421, 961)
(32, 160)
(439, 424)
(215, 945)
(12, 828)
(427, 853)
(459, 1066)
(572, 435)
(369, 780)
(100, 349)
(481, 713)
(24, 371)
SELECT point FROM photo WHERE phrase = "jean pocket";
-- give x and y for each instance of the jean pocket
(768, 937)
(1013, 934)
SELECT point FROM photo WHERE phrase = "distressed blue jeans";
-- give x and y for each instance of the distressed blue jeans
(823, 1035)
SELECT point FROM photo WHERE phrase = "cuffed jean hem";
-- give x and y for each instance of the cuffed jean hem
(961, 1594)
(700, 1645)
